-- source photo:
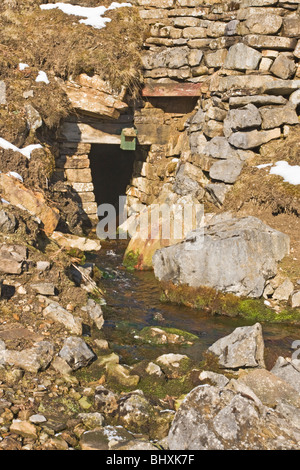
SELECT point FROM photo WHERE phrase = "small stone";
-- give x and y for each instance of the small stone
(284, 291)
(44, 288)
(23, 428)
(37, 419)
(76, 353)
(154, 369)
(296, 300)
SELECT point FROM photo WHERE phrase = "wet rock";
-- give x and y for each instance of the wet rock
(32, 360)
(76, 353)
(213, 418)
(122, 375)
(8, 222)
(55, 312)
(92, 420)
(156, 335)
(288, 370)
(174, 365)
(250, 251)
(135, 413)
(244, 347)
(13, 259)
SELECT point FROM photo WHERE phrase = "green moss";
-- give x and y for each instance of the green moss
(131, 259)
(218, 303)
(146, 334)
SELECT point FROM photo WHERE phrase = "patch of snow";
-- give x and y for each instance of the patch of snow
(42, 77)
(289, 173)
(93, 15)
(23, 66)
(16, 175)
(4, 201)
(264, 165)
(25, 151)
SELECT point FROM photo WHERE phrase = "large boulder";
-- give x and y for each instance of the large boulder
(244, 347)
(214, 418)
(235, 255)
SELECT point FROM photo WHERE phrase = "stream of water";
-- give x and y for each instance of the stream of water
(133, 302)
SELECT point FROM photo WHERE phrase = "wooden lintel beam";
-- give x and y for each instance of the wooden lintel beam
(172, 89)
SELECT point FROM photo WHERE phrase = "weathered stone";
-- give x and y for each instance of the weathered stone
(216, 59)
(79, 175)
(263, 24)
(284, 290)
(270, 42)
(105, 400)
(173, 365)
(212, 378)
(227, 171)
(218, 147)
(13, 259)
(73, 241)
(275, 117)
(122, 375)
(217, 192)
(242, 118)
(291, 26)
(2, 93)
(253, 139)
(239, 82)
(18, 195)
(95, 312)
(76, 353)
(32, 360)
(281, 87)
(244, 347)
(213, 418)
(295, 98)
(44, 288)
(23, 428)
(104, 438)
(57, 313)
(270, 389)
(242, 57)
(283, 67)
(242, 270)
(288, 371)
(8, 222)
(257, 100)
(33, 118)
(296, 300)
(213, 129)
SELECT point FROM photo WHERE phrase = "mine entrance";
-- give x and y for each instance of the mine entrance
(112, 170)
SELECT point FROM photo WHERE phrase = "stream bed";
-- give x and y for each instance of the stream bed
(133, 302)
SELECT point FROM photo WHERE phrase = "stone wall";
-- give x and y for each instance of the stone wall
(245, 56)
(232, 75)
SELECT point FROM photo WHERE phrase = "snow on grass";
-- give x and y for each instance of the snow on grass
(289, 173)
(42, 77)
(26, 151)
(16, 175)
(93, 15)
(23, 66)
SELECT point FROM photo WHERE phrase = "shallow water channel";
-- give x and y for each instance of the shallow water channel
(133, 302)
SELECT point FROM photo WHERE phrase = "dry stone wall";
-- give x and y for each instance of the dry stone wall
(245, 57)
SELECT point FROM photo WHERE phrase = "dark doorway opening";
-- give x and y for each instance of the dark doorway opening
(112, 170)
